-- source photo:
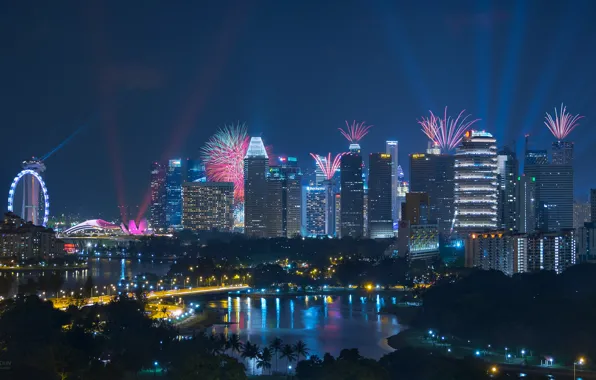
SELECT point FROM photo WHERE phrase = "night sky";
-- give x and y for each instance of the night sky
(149, 80)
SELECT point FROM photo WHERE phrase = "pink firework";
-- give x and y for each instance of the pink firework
(562, 124)
(223, 156)
(447, 132)
(328, 166)
(355, 132)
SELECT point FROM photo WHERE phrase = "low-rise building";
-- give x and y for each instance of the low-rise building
(24, 240)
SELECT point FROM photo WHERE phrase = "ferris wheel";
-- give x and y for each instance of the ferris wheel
(34, 189)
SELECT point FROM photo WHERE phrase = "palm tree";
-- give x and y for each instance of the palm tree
(300, 349)
(264, 359)
(287, 352)
(234, 343)
(250, 351)
(276, 345)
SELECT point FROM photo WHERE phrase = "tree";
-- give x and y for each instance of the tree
(264, 359)
(300, 349)
(276, 345)
(250, 351)
(234, 343)
(287, 352)
(88, 287)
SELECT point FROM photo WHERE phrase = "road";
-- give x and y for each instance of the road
(64, 302)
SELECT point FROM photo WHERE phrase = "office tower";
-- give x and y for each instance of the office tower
(536, 157)
(352, 195)
(158, 197)
(581, 214)
(552, 251)
(554, 196)
(174, 194)
(256, 165)
(284, 209)
(208, 206)
(316, 198)
(338, 215)
(381, 196)
(195, 171)
(491, 251)
(391, 149)
(593, 205)
(586, 243)
(476, 188)
(403, 188)
(562, 153)
(433, 174)
(526, 204)
(507, 169)
(417, 238)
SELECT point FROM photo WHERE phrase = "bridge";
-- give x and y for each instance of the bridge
(64, 302)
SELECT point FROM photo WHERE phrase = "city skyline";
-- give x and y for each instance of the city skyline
(154, 109)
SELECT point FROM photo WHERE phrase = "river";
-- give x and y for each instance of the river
(324, 323)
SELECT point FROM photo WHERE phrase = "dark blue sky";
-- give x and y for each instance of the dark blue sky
(154, 79)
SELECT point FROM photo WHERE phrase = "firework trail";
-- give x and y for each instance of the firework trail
(562, 124)
(223, 156)
(327, 165)
(355, 132)
(447, 132)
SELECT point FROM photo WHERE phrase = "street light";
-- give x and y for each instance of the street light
(579, 361)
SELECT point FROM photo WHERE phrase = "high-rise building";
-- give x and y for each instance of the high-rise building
(158, 197)
(526, 204)
(316, 204)
(381, 197)
(536, 157)
(352, 195)
(593, 205)
(507, 169)
(491, 251)
(581, 214)
(417, 238)
(552, 251)
(284, 193)
(416, 209)
(391, 148)
(256, 165)
(174, 194)
(433, 174)
(195, 171)
(476, 186)
(208, 206)
(562, 153)
(338, 215)
(586, 243)
(554, 196)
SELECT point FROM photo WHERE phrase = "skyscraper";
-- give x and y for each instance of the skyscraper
(174, 194)
(593, 205)
(158, 197)
(554, 196)
(208, 206)
(195, 171)
(391, 149)
(562, 153)
(507, 170)
(581, 214)
(380, 195)
(284, 210)
(316, 198)
(476, 186)
(536, 157)
(256, 164)
(433, 174)
(526, 204)
(352, 195)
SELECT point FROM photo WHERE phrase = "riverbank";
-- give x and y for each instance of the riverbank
(39, 268)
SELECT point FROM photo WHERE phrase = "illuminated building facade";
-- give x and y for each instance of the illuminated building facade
(593, 205)
(554, 196)
(417, 238)
(338, 215)
(316, 204)
(526, 204)
(581, 214)
(256, 166)
(491, 251)
(552, 251)
(195, 171)
(158, 197)
(476, 186)
(562, 153)
(507, 171)
(391, 148)
(284, 194)
(352, 194)
(23, 240)
(586, 243)
(208, 206)
(174, 194)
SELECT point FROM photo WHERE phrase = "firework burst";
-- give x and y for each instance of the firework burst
(223, 156)
(562, 124)
(327, 165)
(355, 132)
(447, 132)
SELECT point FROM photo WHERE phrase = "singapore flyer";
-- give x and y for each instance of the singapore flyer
(31, 201)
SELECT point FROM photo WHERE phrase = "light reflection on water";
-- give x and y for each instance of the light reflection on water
(324, 323)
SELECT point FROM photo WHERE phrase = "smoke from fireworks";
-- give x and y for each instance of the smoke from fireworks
(562, 124)
(328, 166)
(223, 156)
(447, 132)
(355, 132)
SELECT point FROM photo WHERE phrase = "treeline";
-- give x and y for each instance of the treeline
(546, 313)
